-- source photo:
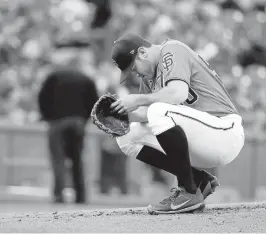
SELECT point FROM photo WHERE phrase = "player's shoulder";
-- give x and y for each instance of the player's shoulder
(171, 43)
(171, 46)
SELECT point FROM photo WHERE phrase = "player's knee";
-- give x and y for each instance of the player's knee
(129, 149)
(156, 109)
(158, 120)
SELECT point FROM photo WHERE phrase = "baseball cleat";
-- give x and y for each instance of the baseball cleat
(179, 202)
(208, 184)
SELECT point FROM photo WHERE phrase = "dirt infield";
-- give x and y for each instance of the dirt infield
(248, 217)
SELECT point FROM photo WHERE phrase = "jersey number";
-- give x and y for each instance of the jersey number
(192, 97)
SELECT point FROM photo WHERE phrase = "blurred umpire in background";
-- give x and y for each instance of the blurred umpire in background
(65, 101)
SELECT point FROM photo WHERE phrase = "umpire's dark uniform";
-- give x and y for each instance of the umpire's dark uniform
(65, 101)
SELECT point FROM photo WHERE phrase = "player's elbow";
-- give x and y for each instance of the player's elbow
(178, 96)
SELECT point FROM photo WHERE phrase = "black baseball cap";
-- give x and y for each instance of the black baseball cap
(124, 52)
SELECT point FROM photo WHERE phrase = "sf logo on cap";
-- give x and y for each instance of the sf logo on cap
(167, 60)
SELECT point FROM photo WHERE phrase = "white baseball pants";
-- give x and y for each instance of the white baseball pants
(212, 141)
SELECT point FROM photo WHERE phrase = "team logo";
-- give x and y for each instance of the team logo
(167, 60)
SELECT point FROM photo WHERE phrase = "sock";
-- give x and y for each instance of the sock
(198, 175)
(161, 161)
(178, 151)
(156, 159)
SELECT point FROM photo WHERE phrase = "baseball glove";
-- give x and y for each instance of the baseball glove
(113, 124)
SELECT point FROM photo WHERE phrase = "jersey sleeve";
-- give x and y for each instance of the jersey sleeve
(175, 64)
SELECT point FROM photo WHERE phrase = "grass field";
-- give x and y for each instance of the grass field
(246, 217)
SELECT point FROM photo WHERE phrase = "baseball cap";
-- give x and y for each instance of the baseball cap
(124, 52)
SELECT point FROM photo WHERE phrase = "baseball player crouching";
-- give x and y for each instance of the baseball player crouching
(183, 118)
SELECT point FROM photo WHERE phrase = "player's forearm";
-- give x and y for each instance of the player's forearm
(139, 115)
(166, 94)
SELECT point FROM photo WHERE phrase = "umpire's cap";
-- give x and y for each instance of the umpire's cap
(124, 52)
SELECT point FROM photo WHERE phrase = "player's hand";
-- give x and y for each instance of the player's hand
(126, 105)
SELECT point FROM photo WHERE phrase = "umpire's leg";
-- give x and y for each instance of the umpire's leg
(57, 158)
(75, 138)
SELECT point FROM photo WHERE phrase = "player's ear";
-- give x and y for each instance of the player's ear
(141, 52)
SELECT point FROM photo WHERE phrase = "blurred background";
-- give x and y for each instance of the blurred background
(35, 36)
